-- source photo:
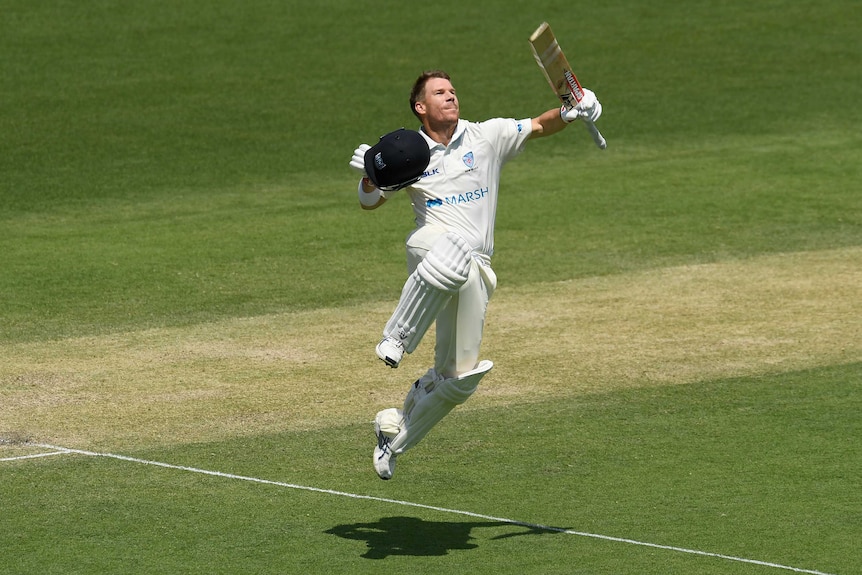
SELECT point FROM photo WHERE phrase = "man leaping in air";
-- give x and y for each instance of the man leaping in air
(450, 279)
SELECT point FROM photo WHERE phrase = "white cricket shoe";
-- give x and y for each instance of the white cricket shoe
(387, 425)
(390, 350)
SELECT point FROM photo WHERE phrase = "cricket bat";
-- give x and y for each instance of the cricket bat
(559, 74)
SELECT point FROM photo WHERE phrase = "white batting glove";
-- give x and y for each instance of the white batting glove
(357, 162)
(588, 108)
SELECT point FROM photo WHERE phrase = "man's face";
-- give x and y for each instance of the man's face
(439, 103)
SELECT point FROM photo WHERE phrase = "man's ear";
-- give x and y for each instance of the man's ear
(419, 107)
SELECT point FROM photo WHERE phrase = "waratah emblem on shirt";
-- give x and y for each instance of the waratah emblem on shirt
(468, 159)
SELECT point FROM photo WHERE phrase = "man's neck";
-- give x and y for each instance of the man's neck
(442, 133)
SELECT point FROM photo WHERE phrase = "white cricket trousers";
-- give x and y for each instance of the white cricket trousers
(461, 322)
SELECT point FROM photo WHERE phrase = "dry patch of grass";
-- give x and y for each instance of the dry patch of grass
(684, 324)
(306, 370)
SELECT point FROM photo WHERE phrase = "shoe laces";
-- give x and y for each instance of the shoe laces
(383, 444)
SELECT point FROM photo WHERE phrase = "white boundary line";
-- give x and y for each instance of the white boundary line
(66, 450)
(33, 456)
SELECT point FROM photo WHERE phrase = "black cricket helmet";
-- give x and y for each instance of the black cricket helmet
(398, 160)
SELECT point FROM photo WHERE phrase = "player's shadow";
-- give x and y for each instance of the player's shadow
(415, 537)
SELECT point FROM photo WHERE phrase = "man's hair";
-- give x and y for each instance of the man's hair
(418, 91)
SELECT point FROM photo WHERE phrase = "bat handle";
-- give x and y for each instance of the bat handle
(597, 136)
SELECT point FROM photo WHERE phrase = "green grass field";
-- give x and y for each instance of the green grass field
(190, 295)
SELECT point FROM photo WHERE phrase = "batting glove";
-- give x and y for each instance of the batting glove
(589, 108)
(357, 162)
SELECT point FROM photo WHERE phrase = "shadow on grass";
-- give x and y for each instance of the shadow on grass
(415, 537)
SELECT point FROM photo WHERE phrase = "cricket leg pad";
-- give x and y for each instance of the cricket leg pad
(430, 399)
(428, 289)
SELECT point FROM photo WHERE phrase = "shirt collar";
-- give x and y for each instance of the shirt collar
(459, 131)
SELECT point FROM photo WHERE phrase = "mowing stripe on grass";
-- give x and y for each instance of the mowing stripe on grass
(66, 450)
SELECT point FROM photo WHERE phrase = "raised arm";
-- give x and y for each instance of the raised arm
(555, 119)
(548, 123)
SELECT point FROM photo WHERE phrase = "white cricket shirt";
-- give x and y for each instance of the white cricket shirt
(458, 190)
